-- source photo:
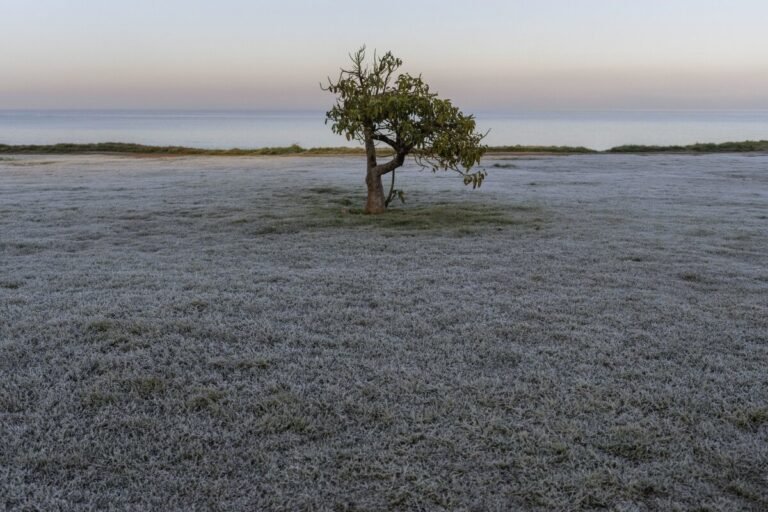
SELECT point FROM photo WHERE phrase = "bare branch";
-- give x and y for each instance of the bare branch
(383, 138)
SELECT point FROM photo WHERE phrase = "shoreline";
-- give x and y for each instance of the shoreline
(129, 149)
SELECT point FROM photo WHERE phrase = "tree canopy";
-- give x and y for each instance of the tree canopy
(375, 105)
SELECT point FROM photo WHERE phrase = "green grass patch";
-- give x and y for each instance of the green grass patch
(632, 443)
(441, 217)
(691, 277)
(207, 400)
(329, 207)
(145, 387)
(101, 326)
(97, 399)
(751, 419)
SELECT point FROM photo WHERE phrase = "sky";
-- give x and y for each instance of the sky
(485, 55)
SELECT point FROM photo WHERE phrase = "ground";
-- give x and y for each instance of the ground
(231, 334)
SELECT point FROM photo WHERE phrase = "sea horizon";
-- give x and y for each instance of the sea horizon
(598, 129)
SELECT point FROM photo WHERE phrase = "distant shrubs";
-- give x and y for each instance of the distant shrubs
(140, 149)
(540, 149)
(725, 147)
(294, 149)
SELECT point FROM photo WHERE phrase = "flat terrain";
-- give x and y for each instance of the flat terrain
(229, 334)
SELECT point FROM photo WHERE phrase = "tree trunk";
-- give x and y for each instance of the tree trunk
(375, 202)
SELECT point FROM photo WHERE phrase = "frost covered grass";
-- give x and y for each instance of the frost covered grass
(229, 334)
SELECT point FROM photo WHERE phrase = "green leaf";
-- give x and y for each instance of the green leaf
(375, 102)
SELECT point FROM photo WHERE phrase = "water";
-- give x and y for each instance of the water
(249, 129)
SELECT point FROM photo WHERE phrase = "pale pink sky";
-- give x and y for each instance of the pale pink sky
(550, 54)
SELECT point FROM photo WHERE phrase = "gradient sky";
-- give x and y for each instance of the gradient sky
(533, 54)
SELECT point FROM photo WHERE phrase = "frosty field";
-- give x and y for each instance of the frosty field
(229, 334)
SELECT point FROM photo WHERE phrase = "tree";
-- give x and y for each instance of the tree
(374, 107)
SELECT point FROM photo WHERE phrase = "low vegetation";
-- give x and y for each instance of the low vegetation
(232, 334)
(295, 149)
(554, 150)
(140, 149)
(339, 207)
(725, 147)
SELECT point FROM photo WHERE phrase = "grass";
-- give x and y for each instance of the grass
(460, 218)
(449, 218)
(691, 277)
(207, 400)
(234, 334)
(752, 419)
(335, 207)
(145, 387)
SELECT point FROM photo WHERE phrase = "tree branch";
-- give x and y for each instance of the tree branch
(391, 194)
(397, 161)
(383, 138)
